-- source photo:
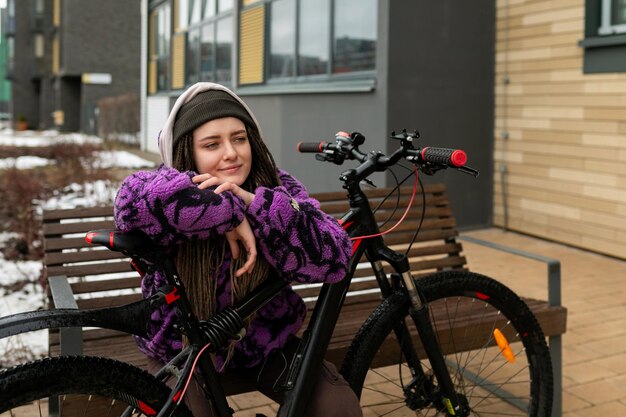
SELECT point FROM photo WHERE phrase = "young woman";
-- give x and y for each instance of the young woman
(232, 218)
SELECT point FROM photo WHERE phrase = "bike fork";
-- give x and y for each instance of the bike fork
(420, 314)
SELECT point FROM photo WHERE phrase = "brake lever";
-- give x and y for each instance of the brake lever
(430, 169)
(468, 170)
(332, 156)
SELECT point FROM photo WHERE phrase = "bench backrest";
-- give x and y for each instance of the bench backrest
(99, 277)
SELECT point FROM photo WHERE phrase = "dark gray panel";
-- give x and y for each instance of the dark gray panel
(441, 81)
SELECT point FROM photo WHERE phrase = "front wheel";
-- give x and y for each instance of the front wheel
(85, 386)
(493, 346)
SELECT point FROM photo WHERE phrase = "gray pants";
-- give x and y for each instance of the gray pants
(332, 396)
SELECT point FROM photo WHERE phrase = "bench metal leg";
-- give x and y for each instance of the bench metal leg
(70, 338)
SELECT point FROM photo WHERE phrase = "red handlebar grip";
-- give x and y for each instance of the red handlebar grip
(444, 156)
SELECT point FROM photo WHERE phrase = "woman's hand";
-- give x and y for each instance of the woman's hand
(205, 181)
(243, 233)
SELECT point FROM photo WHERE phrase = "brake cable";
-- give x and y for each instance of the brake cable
(397, 187)
(419, 226)
(403, 216)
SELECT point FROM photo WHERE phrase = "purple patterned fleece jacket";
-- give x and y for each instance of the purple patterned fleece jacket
(297, 239)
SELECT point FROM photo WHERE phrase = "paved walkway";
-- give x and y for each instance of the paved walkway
(593, 290)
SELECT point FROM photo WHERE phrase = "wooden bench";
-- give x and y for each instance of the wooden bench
(98, 277)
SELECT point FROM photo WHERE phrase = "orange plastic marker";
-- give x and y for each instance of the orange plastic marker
(503, 344)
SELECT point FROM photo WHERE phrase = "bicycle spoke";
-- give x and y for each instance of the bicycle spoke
(110, 408)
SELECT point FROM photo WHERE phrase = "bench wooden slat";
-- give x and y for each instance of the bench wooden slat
(89, 269)
(60, 258)
(105, 285)
(77, 213)
(51, 229)
(451, 248)
(112, 301)
(378, 192)
(420, 265)
(423, 236)
(432, 202)
(58, 244)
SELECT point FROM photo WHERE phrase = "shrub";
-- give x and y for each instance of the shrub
(73, 163)
(18, 215)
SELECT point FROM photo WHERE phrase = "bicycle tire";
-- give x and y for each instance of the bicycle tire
(530, 377)
(86, 386)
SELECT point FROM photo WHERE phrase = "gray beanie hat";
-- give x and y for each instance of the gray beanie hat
(207, 106)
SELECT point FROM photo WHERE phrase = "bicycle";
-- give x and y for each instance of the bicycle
(439, 373)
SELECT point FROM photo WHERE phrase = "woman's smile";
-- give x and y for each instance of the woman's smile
(230, 169)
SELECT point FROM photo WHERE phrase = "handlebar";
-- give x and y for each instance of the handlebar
(346, 146)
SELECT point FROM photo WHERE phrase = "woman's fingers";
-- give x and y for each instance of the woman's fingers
(226, 186)
(205, 181)
(248, 266)
(197, 179)
(209, 183)
(232, 239)
(244, 233)
(246, 196)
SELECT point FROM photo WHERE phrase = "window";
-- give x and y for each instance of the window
(182, 14)
(223, 49)
(209, 9)
(38, 7)
(613, 17)
(282, 39)
(10, 55)
(605, 36)
(314, 37)
(207, 52)
(159, 48)
(38, 45)
(310, 40)
(354, 35)
(209, 41)
(196, 12)
(193, 56)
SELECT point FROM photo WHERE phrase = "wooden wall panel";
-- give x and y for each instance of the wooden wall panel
(565, 155)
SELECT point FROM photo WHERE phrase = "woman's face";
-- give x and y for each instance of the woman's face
(221, 148)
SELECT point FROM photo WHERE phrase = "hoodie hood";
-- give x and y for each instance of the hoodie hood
(166, 136)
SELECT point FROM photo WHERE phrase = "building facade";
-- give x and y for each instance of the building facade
(560, 131)
(310, 68)
(67, 55)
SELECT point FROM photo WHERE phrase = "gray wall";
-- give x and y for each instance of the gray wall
(442, 83)
(101, 37)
